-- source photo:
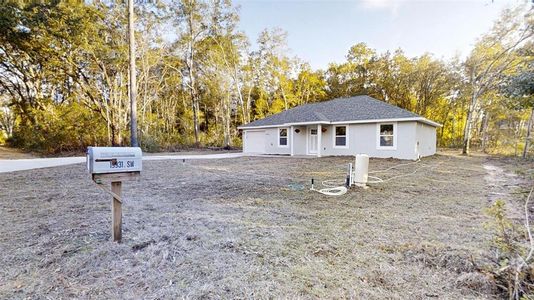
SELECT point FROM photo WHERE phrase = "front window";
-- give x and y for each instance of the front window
(282, 137)
(341, 136)
(386, 135)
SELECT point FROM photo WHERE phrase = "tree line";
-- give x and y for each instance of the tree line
(64, 78)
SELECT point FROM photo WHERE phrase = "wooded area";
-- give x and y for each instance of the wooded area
(64, 74)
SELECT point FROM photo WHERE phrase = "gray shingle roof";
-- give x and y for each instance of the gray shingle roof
(358, 108)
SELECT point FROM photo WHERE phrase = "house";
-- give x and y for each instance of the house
(344, 126)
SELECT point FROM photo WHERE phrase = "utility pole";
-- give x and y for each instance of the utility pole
(133, 84)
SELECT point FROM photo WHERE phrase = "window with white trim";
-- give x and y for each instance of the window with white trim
(387, 135)
(340, 139)
(282, 137)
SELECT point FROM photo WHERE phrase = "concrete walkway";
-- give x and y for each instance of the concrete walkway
(12, 165)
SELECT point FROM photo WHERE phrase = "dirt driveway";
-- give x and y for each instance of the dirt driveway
(249, 227)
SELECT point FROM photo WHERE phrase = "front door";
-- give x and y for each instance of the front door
(312, 141)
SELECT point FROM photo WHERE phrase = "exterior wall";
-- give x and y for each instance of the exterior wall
(271, 141)
(299, 145)
(411, 139)
(426, 139)
(363, 138)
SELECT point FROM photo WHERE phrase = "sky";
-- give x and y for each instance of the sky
(322, 31)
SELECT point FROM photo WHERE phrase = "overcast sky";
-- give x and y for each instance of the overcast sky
(321, 32)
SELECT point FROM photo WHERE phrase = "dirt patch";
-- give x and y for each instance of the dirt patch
(239, 228)
(11, 153)
(509, 180)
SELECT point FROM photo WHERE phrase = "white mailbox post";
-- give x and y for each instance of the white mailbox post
(115, 164)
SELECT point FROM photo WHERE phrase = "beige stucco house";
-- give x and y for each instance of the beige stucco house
(344, 126)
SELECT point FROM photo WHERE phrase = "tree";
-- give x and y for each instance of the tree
(310, 86)
(224, 63)
(520, 88)
(62, 65)
(7, 119)
(133, 84)
(273, 73)
(38, 78)
(354, 76)
(493, 56)
(194, 13)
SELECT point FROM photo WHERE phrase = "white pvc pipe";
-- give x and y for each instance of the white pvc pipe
(361, 169)
(351, 178)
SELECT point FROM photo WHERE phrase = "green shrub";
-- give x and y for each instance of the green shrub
(60, 128)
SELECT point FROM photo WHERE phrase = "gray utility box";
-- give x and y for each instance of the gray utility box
(105, 160)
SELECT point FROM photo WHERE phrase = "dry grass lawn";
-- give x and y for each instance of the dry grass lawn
(251, 228)
(11, 153)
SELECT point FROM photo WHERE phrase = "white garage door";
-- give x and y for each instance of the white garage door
(254, 142)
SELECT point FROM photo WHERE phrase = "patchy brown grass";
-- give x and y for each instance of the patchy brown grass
(11, 153)
(239, 228)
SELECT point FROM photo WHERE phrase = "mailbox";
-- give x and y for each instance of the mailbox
(105, 160)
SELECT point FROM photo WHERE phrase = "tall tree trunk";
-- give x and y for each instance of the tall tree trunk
(192, 88)
(468, 123)
(133, 84)
(286, 105)
(248, 104)
(196, 108)
(206, 118)
(527, 138)
(485, 131)
(517, 135)
(108, 121)
(240, 95)
(226, 122)
(467, 133)
(115, 134)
